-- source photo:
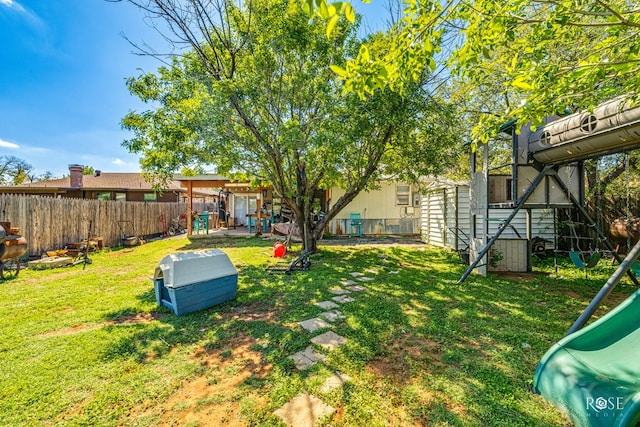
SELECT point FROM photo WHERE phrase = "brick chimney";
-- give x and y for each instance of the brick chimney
(75, 175)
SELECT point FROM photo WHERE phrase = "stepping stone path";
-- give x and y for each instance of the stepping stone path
(332, 315)
(306, 409)
(306, 358)
(329, 340)
(339, 291)
(343, 299)
(333, 382)
(315, 324)
(327, 305)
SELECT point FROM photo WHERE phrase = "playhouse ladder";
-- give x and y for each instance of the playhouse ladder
(507, 221)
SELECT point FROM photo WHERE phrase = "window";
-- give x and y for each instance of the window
(150, 197)
(253, 205)
(402, 194)
(121, 197)
(104, 196)
(545, 138)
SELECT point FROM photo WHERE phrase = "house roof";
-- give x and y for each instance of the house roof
(106, 181)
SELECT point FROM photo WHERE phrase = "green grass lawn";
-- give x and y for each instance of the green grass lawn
(91, 347)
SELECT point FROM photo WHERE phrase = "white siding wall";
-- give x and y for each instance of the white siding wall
(541, 223)
(438, 219)
(464, 219)
(451, 214)
(376, 204)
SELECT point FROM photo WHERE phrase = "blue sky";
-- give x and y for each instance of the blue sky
(63, 66)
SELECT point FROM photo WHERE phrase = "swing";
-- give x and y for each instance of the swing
(577, 260)
(576, 256)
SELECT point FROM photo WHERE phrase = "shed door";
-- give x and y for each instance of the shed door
(451, 209)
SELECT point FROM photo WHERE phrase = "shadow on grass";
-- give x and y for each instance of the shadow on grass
(420, 347)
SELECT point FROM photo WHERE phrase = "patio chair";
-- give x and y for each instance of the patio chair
(356, 223)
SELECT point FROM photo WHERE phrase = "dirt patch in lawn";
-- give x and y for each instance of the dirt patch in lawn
(136, 318)
(403, 353)
(408, 361)
(128, 319)
(71, 330)
(226, 392)
(256, 311)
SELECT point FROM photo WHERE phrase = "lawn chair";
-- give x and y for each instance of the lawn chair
(356, 223)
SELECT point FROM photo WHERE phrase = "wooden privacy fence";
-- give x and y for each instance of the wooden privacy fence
(50, 223)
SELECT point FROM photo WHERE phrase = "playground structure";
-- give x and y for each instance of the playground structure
(547, 169)
(593, 374)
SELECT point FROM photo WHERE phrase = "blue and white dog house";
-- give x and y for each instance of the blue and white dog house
(190, 281)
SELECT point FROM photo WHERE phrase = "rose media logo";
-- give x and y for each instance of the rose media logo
(604, 406)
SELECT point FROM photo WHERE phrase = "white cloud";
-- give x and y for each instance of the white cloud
(118, 162)
(13, 5)
(3, 143)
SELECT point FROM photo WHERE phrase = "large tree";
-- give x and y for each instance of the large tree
(253, 92)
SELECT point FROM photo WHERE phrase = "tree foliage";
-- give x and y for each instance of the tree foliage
(14, 171)
(253, 93)
(549, 55)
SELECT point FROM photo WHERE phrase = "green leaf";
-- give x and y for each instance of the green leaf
(323, 10)
(521, 84)
(363, 54)
(349, 12)
(332, 24)
(338, 70)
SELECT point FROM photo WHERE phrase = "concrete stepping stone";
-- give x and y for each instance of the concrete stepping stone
(365, 279)
(333, 382)
(304, 410)
(372, 270)
(306, 358)
(329, 340)
(327, 305)
(348, 282)
(343, 299)
(332, 315)
(356, 274)
(315, 324)
(339, 291)
(357, 288)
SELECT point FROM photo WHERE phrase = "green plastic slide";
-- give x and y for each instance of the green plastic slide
(593, 375)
